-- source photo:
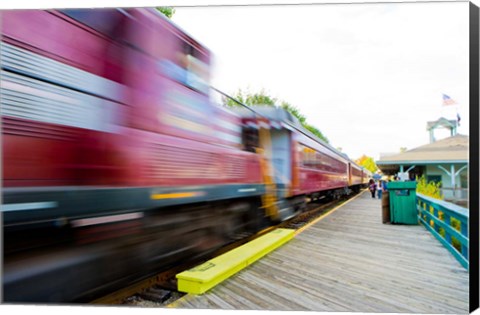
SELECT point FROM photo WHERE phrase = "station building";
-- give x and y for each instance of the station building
(444, 161)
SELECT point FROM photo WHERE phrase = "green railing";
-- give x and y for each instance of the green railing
(448, 223)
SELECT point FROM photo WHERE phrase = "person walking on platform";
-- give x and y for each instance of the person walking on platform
(379, 189)
(372, 187)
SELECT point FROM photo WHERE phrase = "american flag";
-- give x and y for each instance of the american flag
(448, 101)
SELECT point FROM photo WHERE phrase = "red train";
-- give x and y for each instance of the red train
(116, 162)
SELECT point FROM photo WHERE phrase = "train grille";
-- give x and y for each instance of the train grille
(181, 163)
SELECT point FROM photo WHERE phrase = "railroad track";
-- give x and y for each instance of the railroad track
(161, 289)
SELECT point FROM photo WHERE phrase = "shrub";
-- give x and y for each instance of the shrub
(430, 189)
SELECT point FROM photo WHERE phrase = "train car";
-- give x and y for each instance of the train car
(115, 162)
(301, 167)
(321, 168)
(355, 176)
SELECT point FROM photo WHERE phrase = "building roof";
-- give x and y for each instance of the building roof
(449, 150)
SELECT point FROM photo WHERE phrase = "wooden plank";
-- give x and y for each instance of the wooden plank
(349, 261)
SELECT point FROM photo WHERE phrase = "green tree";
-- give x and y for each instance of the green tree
(258, 98)
(262, 98)
(294, 111)
(167, 11)
(403, 149)
(367, 162)
(303, 120)
(316, 132)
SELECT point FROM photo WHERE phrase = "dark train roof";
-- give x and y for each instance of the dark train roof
(269, 112)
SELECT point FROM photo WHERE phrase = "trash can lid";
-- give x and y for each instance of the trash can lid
(402, 185)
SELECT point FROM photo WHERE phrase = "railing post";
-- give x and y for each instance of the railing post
(446, 219)
(435, 214)
(464, 231)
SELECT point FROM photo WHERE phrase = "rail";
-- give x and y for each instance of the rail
(448, 223)
(460, 193)
(455, 195)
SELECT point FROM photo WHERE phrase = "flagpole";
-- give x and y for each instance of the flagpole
(447, 100)
(456, 121)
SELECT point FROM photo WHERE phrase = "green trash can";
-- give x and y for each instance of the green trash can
(403, 202)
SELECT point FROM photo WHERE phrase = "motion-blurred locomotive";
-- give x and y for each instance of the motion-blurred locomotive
(116, 162)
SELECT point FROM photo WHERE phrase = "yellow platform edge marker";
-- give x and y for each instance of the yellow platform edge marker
(207, 275)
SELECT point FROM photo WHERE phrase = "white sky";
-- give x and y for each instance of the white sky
(369, 76)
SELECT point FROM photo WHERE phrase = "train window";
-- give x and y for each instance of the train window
(308, 157)
(313, 159)
(188, 70)
(250, 139)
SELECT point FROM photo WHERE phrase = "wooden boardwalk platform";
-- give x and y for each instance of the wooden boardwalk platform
(348, 261)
